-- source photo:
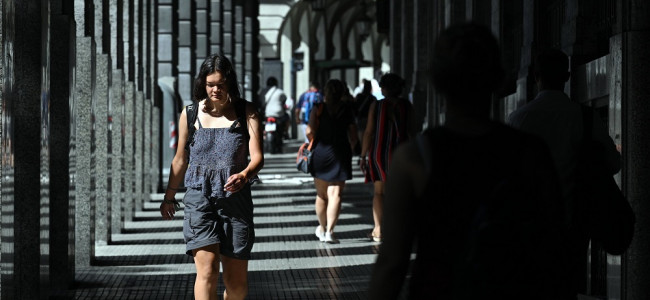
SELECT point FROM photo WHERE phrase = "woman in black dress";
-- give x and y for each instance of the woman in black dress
(332, 125)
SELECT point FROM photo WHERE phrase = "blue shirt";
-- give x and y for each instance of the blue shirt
(306, 103)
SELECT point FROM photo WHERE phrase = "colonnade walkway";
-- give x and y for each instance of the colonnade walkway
(147, 260)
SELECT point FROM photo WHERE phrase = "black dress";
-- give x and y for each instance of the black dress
(332, 158)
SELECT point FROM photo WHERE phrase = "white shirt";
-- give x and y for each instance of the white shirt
(274, 100)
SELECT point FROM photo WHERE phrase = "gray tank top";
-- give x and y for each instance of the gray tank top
(215, 154)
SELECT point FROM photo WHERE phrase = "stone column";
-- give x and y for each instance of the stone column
(238, 58)
(227, 8)
(116, 98)
(251, 46)
(148, 169)
(408, 40)
(138, 156)
(166, 41)
(84, 206)
(631, 45)
(421, 91)
(215, 26)
(23, 274)
(156, 145)
(62, 266)
(129, 147)
(102, 205)
(526, 82)
(395, 36)
(185, 50)
(100, 113)
(201, 35)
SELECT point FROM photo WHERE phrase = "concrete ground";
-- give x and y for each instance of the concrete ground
(147, 260)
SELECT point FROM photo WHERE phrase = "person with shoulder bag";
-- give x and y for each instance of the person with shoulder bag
(336, 134)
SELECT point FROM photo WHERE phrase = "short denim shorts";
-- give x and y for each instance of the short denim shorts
(224, 221)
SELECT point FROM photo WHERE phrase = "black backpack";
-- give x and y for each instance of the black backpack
(192, 112)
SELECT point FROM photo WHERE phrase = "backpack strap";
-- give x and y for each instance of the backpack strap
(191, 112)
(240, 112)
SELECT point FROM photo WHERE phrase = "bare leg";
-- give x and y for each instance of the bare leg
(321, 202)
(235, 278)
(334, 205)
(377, 207)
(206, 260)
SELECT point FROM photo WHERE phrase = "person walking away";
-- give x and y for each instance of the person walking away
(557, 119)
(362, 103)
(477, 199)
(389, 124)
(218, 216)
(306, 102)
(274, 107)
(332, 126)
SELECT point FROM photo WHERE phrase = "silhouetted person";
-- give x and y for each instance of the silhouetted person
(479, 199)
(362, 103)
(389, 124)
(558, 121)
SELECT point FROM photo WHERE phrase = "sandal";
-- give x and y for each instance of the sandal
(373, 237)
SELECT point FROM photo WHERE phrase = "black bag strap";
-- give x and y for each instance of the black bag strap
(240, 111)
(191, 112)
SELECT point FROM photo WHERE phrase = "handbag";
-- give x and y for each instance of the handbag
(304, 158)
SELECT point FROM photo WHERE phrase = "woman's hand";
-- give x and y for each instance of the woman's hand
(235, 183)
(362, 164)
(168, 208)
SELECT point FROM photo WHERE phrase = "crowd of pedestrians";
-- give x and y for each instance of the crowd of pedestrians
(488, 208)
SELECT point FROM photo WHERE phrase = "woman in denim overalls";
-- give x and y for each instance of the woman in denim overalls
(218, 215)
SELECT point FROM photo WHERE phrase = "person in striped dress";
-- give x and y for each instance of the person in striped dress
(390, 123)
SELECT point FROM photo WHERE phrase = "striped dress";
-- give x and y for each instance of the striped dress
(391, 129)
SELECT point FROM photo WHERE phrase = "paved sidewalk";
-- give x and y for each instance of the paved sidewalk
(147, 260)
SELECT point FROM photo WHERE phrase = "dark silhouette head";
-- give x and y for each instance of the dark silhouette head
(216, 63)
(334, 91)
(551, 69)
(391, 84)
(466, 63)
(367, 87)
(272, 81)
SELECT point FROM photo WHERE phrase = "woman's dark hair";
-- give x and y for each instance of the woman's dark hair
(214, 63)
(334, 91)
(392, 83)
(466, 61)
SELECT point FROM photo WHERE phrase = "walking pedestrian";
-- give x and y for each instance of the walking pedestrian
(558, 120)
(306, 102)
(362, 102)
(332, 126)
(478, 198)
(218, 216)
(273, 101)
(389, 124)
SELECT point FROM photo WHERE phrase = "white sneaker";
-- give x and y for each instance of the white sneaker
(320, 234)
(329, 238)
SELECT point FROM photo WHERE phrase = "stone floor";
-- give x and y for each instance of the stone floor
(147, 260)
